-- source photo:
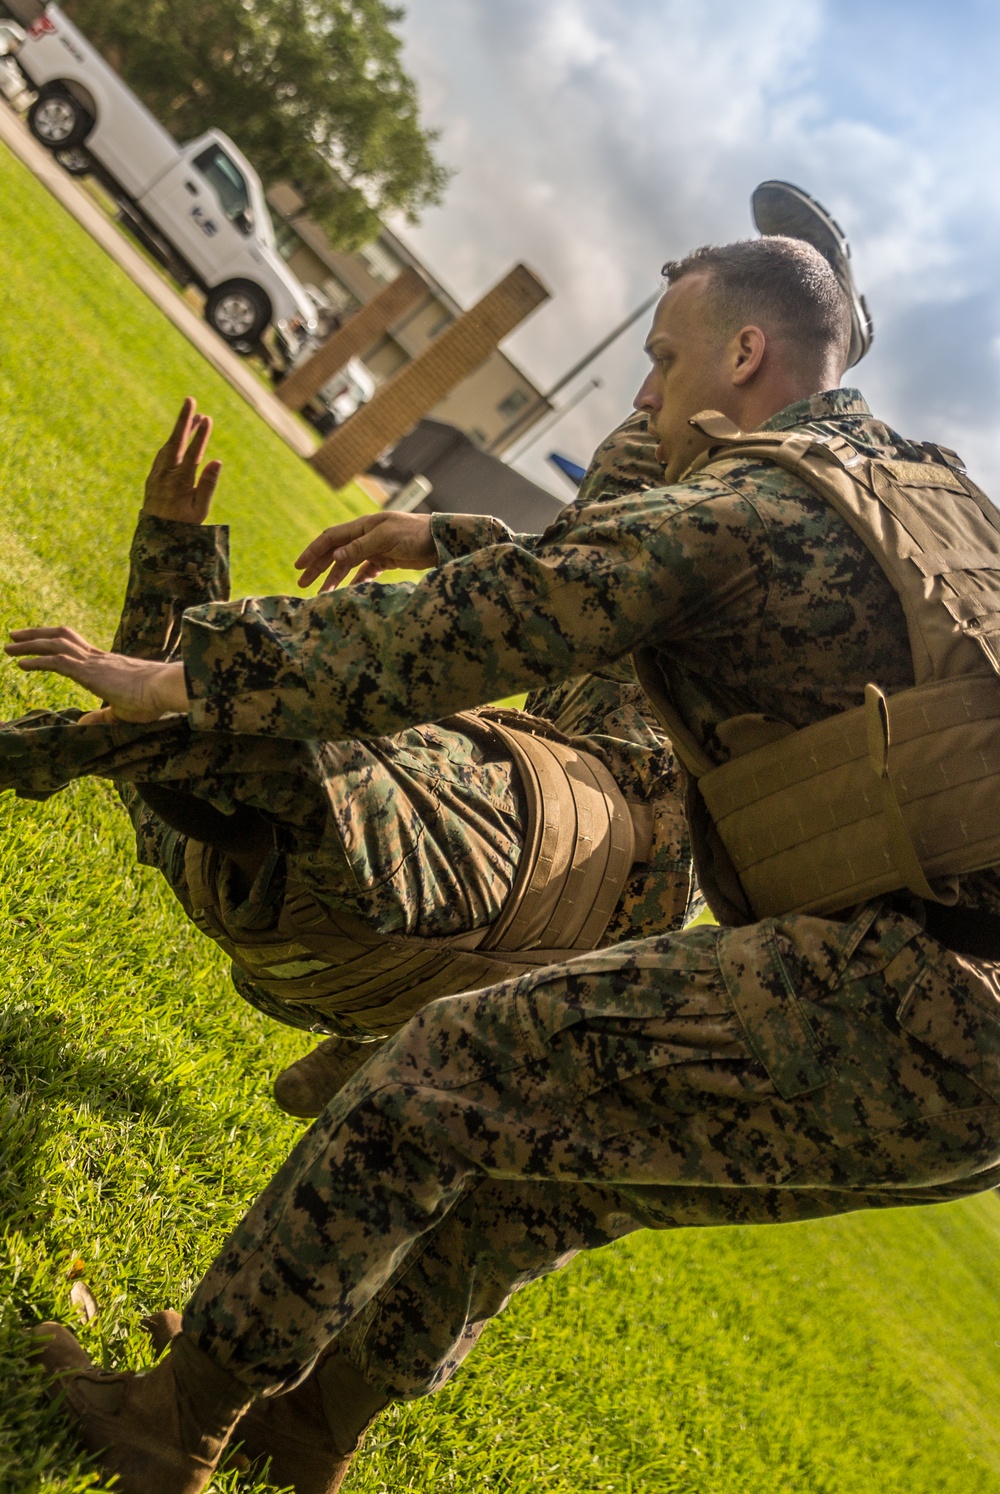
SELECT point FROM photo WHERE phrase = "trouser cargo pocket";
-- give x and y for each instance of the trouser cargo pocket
(950, 1004)
(777, 1026)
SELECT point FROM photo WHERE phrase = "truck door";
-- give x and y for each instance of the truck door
(203, 206)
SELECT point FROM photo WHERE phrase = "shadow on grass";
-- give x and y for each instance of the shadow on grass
(43, 1076)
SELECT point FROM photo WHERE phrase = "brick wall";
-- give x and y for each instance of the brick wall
(452, 356)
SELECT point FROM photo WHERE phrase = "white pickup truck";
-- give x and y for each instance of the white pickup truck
(203, 198)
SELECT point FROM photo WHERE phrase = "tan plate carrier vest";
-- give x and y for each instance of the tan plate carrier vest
(580, 846)
(903, 791)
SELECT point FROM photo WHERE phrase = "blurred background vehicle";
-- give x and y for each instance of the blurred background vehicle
(199, 208)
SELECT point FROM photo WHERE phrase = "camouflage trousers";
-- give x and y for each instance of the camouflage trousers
(798, 1068)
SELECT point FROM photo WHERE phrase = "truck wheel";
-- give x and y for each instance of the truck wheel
(76, 160)
(59, 121)
(239, 311)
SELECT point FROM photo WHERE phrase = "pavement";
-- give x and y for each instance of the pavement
(15, 134)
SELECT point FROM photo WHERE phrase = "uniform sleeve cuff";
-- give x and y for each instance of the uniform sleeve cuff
(455, 535)
(177, 548)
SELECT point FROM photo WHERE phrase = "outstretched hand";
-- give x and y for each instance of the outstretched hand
(375, 543)
(173, 488)
(134, 689)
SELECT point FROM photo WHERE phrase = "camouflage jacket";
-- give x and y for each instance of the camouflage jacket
(606, 711)
(754, 594)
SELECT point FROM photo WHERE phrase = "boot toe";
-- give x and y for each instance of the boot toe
(58, 1350)
(295, 1096)
(307, 1086)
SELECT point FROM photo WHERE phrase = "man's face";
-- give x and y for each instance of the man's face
(691, 372)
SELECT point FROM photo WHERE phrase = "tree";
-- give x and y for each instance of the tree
(313, 91)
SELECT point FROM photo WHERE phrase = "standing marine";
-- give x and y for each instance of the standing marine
(811, 601)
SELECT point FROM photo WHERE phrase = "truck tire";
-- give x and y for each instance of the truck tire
(58, 120)
(239, 311)
(77, 161)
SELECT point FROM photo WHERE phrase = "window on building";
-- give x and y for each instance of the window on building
(439, 326)
(339, 296)
(380, 262)
(226, 180)
(516, 400)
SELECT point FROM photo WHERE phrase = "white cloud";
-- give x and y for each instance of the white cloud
(594, 139)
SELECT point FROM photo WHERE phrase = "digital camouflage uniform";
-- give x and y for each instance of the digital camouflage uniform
(788, 1069)
(418, 833)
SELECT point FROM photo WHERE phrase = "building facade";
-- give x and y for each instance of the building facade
(491, 400)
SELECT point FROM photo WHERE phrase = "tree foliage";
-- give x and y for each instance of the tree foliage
(313, 91)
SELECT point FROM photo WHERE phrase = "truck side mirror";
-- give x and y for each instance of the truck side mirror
(244, 221)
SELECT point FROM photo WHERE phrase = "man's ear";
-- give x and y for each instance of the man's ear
(746, 354)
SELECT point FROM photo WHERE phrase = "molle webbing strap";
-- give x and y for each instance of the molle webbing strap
(578, 853)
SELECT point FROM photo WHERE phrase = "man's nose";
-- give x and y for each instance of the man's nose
(647, 398)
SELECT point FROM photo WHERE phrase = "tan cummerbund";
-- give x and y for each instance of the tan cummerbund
(902, 791)
(579, 847)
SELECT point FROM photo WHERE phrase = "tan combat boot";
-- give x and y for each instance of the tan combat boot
(311, 1434)
(163, 1430)
(306, 1088)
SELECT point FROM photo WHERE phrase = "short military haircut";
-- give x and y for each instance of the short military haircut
(776, 283)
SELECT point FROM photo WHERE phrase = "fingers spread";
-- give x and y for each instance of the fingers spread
(59, 664)
(333, 538)
(50, 648)
(369, 571)
(195, 454)
(178, 439)
(28, 635)
(208, 482)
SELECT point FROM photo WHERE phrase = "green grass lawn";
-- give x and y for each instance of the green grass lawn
(845, 1357)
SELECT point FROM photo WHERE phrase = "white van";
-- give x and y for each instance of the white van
(203, 198)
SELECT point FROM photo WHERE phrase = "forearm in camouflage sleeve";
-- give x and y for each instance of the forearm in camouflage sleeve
(625, 462)
(463, 534)
(172, 566)
(369, 660)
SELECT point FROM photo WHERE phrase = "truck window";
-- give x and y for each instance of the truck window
(227, 181)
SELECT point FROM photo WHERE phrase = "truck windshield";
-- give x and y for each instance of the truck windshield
(227, 181)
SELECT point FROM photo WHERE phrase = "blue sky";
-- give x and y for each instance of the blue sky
(595, 138)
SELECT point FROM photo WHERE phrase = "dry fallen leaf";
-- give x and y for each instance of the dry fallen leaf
(77, 1268)
(84, 1301)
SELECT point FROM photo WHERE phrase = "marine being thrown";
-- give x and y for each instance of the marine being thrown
(823, 1058)
(351, 882)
